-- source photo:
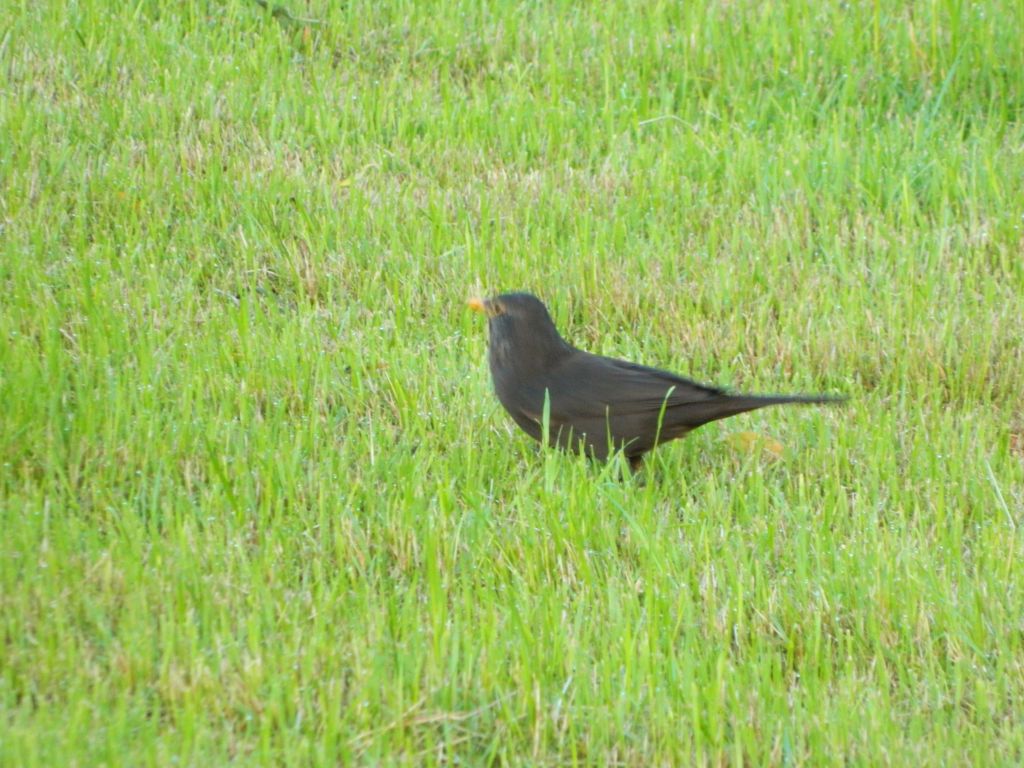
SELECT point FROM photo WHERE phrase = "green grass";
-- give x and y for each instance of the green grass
(259, 503)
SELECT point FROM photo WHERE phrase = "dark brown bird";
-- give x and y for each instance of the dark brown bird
(600, 402)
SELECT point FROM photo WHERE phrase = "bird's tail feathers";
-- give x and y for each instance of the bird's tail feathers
(730, 405)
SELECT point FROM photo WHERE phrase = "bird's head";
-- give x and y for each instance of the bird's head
(521, 331)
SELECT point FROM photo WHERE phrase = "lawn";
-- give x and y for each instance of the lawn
(259, 504)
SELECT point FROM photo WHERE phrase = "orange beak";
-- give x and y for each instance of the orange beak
(478, 305)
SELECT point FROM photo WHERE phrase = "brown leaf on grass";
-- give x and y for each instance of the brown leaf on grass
(1017, 444)
(752, 442)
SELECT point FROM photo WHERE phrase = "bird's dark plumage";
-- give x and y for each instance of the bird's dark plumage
(603, 403)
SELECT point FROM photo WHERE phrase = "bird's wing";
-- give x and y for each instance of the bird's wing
(597, 384)
(613, 401)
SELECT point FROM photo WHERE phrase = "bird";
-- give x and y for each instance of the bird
(576, 400)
